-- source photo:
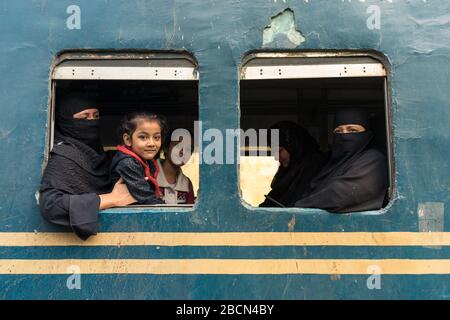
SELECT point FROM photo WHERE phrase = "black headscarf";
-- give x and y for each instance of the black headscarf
(346, 146)
(355, 177)
(81, 130)
(82, 166)
(306, 160)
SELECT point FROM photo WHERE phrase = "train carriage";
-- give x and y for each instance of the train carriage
(213, 67)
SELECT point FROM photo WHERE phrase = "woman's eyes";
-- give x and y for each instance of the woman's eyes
(347, 130)
(88, 116)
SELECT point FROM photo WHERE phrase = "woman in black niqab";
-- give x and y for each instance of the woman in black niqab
(78, 131)
(77, 171)
(355, 178)
(306, 160)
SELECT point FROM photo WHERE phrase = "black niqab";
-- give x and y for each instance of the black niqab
(306, 160)
(355, 177)
(346, 146)
(77, 170)
(78, 141)
(353, 116)
(81, 130)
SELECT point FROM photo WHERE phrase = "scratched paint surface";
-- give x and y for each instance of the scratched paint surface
(415, 37)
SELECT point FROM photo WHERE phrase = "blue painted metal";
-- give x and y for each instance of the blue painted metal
(415, 37)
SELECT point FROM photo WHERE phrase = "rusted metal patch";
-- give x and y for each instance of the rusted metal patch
(431, 218)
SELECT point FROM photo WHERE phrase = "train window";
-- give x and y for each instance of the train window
(308, 88)
(165, 83)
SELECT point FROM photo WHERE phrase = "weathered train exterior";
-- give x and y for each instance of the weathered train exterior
(222, 248)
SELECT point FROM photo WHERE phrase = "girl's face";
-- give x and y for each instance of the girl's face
(146, 139)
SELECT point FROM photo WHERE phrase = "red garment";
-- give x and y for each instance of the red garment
(153, 179)
(190, 197)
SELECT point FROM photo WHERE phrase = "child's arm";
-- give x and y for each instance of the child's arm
(134, 176)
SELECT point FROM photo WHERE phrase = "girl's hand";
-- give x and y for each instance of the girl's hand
(119, 197)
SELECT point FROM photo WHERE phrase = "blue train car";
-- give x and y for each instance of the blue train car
(230, 64)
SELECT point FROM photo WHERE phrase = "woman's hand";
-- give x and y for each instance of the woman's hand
(119, 196)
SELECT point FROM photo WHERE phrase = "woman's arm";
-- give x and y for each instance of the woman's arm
(133, 174)
(79, 212)
(119, 197)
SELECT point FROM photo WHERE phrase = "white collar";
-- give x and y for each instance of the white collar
(182, 183)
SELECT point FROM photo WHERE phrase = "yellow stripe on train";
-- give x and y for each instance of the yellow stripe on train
(226, 266)
(232, 239)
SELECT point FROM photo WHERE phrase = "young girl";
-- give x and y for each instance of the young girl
(135, 161)
(176, 188)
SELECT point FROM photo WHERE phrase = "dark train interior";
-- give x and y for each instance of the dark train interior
(313, 103)
(177, 101)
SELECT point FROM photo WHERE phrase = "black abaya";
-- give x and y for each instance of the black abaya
(77, 171)
(354, 187)
(70, 187)
(355, 178)
(290, 183)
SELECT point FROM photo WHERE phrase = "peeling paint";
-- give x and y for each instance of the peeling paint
(282, 32)
(291, 224)
(4, 133)
(431, 218)
(36, 196)
(335, 277)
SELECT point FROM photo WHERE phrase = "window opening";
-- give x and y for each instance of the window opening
(122, 83)
(308, 88)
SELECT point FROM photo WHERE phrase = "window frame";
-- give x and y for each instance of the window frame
(171, 74)
(277, 74)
